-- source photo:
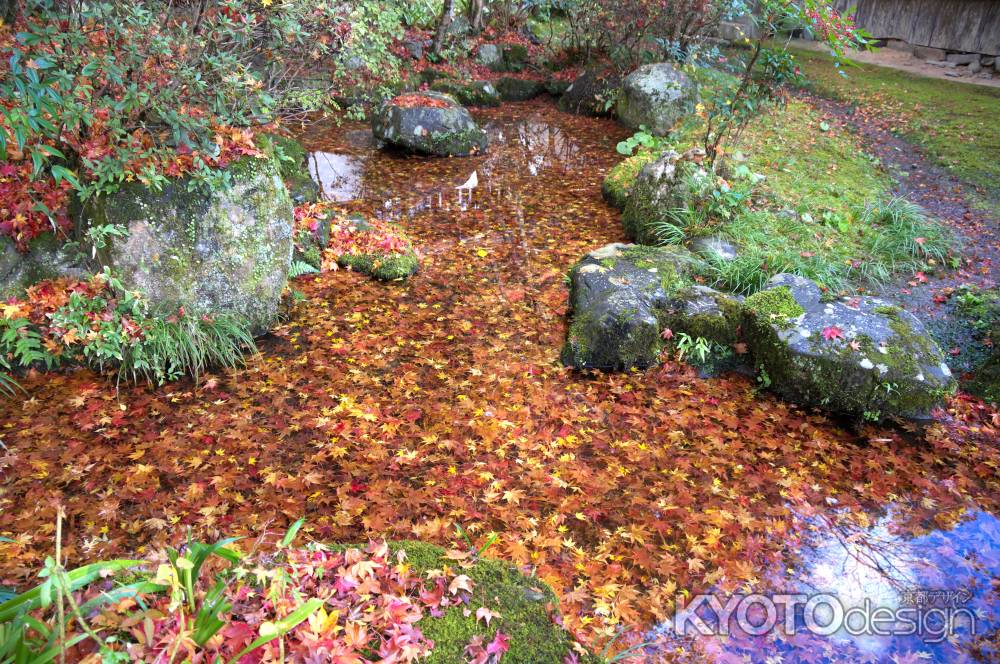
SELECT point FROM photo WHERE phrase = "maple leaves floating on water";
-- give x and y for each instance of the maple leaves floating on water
(400, 409)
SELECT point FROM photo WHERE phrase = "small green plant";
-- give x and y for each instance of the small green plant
(477, 552)
(642, 140)
(698, 349)
(299, 268)
(763, 379)
(102, 324)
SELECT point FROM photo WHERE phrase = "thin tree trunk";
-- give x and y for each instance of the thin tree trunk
(476, 15)
(443, 23)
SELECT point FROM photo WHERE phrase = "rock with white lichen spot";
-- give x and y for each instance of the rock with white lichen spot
(861, 356)
(656, 96)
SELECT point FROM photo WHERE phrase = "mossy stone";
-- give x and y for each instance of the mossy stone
(474, 93)
(527, 610)
(659, 190)
(656, 96)
(293, 164)
(620, 179)
(860, 357)
(519, 89)
(47, 258)
(384, 268)
(619, 295)
(209, 250)
(429, 123)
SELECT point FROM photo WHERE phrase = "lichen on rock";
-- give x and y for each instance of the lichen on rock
(618, 298)
(859, 356)
(656, 96)
(207, 249)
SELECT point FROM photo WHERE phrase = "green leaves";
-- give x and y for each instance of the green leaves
(643, 139)
(41, 595)
(293, 530)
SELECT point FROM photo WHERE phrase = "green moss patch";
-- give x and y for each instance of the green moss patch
(774, 305)
(527, 610)
(381, 266)
(955, 123)
(621, 177)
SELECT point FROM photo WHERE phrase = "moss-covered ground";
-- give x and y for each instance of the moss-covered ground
(523, 606)
(817, 211)
(955, 123)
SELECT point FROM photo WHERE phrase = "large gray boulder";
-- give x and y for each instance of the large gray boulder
(860, 356)
(429, 123)
(656, 96)
(620, 296)
(47, 258)
(209, 250)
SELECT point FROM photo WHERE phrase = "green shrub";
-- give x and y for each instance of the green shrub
(178, 81)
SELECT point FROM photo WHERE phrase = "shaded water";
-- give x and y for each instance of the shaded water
(401, 409)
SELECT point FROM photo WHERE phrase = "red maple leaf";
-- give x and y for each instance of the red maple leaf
(832, 332)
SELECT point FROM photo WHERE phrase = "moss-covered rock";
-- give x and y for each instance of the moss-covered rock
(557, 86)
(474, 93)
(620, 179)
(385, 268)
(293, 164)
(656, 96)
(47, 258)
(515, 57)
(591, 93)
(209, 250)
(659, 191)
(620, 296)
(519, 89)
(430, 123)
(700, 311)
(362, 243)
(861, 357)
(527, 608)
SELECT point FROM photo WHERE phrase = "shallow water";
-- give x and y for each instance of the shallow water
(400, 409)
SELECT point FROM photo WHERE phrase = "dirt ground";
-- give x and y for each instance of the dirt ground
(905, 61)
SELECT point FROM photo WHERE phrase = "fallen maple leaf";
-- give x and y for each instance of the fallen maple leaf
(460, 582)
(499, 645)
(832, 332)
(482, 613)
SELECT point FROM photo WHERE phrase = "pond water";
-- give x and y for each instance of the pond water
(397, 410)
